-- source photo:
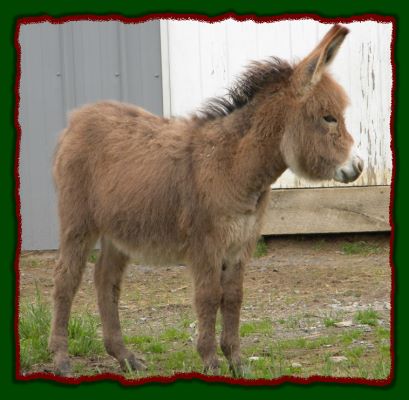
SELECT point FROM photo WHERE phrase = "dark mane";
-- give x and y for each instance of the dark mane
(256, 76)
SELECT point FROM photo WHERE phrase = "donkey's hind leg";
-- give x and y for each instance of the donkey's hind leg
(75, 245)
(108, 275)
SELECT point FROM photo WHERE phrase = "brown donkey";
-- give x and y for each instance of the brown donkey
(192, 190)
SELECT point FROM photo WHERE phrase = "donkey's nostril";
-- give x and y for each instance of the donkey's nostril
(359, 166)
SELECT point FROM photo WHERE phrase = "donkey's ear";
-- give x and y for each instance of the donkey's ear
(309, 71)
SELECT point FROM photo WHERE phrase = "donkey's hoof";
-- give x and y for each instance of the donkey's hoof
(212, 367)
(237, 368)
(62, 366)
(131, 363)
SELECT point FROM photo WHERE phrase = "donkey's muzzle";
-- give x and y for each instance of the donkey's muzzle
(351, 170)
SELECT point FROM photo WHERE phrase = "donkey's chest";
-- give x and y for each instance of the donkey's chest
(241, 227)
(238, 232)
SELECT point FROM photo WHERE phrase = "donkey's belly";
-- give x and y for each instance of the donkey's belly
(153, 254)
(234, 237)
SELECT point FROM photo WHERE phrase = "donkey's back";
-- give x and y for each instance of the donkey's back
(122, 172)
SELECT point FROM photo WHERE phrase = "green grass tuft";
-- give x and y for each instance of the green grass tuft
(139, 340)
(382, 333)
(350, 335)
(34, 328)
(264, 327)
(329, 322)
(156, 347)
(82, 335)
(367, 317)
(261, 248)
(361, 248)
(93, 257)
(173, 334)
(355, 353)
(319, 245)
(292, 322)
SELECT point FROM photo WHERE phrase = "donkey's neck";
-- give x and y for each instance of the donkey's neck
(242, 151)
(258, 160)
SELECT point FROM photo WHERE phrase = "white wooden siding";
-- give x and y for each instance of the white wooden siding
(204, 58)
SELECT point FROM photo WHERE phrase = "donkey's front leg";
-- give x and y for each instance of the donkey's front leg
(232, 296)
(207, 302)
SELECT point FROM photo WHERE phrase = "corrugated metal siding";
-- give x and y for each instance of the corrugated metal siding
(204, 59)
(64, 66)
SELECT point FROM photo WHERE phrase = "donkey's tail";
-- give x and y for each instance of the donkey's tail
(55, 167)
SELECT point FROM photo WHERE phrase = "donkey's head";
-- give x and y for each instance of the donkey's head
(316, 144)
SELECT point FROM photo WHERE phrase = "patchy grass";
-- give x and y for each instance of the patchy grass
(367, 317)
(330, 319)
(288, 323)
(170, 350)
(174, 334)
(82, 335)
(382, 333)
(34, 329)
(138, 341)
(329, 322)
(355, 353)
(292, 322)
(351, 335)
(265, 353)
(261, 248)
(31, 262)
(360, 248)
(319, 244)
(305, 357)
(264, 327)
(156, 347)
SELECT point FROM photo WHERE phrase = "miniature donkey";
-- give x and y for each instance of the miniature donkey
(192, 190)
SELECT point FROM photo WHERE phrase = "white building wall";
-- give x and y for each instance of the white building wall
(203, 60)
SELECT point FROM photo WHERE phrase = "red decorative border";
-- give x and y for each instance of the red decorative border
(195, 375)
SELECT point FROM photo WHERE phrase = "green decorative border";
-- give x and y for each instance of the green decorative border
(335, 9)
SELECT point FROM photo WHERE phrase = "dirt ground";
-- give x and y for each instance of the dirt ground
(307, 287)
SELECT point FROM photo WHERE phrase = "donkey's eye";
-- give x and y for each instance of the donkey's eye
(330, 118)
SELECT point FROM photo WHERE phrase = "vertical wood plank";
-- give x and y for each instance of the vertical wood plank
(384, 72)
(241, 47)
(213, 59)
(184, 66)
(274, 40)
(304, 35)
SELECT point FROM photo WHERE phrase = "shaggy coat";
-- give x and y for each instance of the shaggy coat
(191, 190)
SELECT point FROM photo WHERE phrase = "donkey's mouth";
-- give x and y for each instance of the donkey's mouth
(350, 171)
